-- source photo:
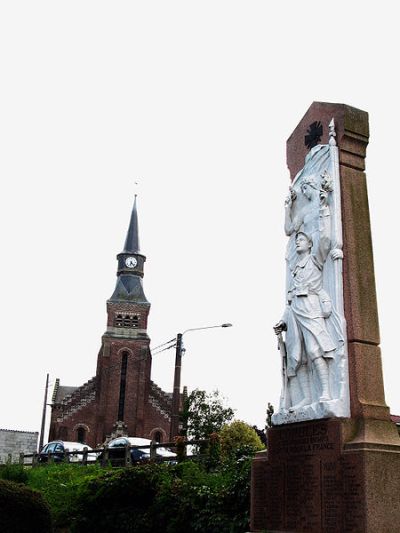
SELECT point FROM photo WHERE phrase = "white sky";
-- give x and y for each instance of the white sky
(196, 99)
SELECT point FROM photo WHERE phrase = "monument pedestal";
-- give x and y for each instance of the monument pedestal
(311, 481)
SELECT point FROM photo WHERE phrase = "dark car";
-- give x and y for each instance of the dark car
(57, 449)
(117, 447)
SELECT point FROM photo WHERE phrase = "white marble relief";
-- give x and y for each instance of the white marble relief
(312, 332)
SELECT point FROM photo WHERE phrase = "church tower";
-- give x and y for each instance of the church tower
(124, 360)
(121, 397)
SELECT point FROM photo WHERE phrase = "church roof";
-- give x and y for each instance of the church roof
(129, 288)
(61, 392)
(65, 393)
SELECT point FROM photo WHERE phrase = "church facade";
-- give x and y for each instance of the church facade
(121, 398)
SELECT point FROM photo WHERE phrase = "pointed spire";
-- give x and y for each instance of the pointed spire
(132, 237)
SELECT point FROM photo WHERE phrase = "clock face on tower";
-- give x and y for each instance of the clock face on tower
(131, 262)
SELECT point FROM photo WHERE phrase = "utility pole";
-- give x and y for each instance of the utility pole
(44, 414)
(177, 387)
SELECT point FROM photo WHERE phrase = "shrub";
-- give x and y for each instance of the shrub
(22, 510)
(13, 472)
(237, 439)
(198, 501)
(172, 499)
(119, 500)
(61, 487)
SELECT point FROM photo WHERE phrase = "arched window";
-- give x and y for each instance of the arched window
(158, 435)
(81, 435)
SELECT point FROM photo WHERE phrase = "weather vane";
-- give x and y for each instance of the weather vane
(136, 186)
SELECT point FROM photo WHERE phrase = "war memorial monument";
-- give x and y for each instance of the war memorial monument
(333, 458)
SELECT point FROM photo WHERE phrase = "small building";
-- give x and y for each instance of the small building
(121, 397)
(14, 442)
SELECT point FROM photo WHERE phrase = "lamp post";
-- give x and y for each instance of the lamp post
(177, 378)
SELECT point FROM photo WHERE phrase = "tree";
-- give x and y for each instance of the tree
(238, 437)
(204, 413)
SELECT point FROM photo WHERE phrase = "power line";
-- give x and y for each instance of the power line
(163, 344)
(163, 350)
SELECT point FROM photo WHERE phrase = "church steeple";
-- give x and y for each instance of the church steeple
(124, 364)
(129, 287)
(122, 393)
(132, 237)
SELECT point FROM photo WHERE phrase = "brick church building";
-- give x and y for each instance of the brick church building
(121, 397)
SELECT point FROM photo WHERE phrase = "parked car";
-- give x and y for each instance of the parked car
(58, 448)
(116, 451)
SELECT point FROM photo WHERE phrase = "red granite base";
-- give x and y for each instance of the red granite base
(309, 482)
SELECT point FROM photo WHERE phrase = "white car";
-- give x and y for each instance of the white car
(116, 450)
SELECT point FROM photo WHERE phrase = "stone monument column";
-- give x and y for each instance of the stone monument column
(333, 459)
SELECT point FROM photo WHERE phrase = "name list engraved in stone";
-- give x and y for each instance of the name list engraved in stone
(332, 497)
(275, 491)
(302, 495)
(259, 489)
(354, 511)
(304, 478)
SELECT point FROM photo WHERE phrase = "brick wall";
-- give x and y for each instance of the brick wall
(157, 414)
(75, 410)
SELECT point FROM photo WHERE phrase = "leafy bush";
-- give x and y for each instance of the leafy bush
(22, 510)
(13, 472)
(119, 500)
(61, 487)
(216, 502)
(237, 439)
(172, 499)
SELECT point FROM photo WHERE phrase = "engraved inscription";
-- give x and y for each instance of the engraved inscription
(332, 497)
(304, 478)
(304, 440)
(259, 493)
(275, 476)
(309, 486)
(302, 495)
(353, 500)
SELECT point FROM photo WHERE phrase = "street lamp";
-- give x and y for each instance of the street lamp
(177, 377)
